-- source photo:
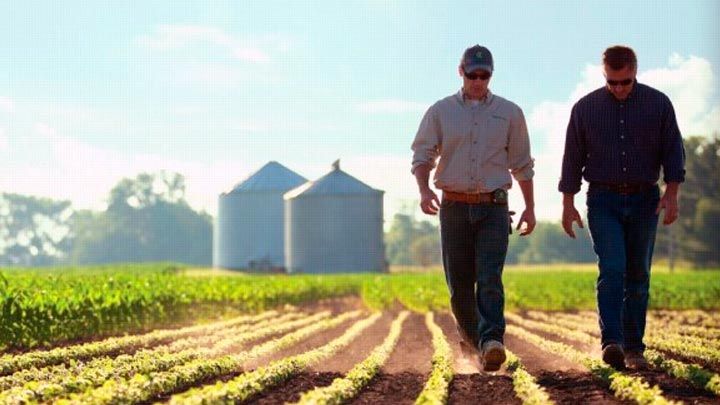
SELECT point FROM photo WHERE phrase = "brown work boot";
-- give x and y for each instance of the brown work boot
(636, 361)
(613, 355)
(493, 355)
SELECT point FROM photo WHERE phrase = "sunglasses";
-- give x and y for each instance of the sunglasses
(483, 75)
(623, 83)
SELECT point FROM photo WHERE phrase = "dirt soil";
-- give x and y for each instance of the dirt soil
(403, 377)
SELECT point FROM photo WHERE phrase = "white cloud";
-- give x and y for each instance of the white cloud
(85, 174)
(689, 82)
(391, 106)
(170, 37)
(6, 104)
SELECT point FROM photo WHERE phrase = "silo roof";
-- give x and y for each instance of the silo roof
(337, 182)
(271, 177)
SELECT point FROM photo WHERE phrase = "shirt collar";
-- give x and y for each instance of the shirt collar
(486, 101)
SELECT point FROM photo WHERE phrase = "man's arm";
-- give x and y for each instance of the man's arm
(429, 202)
(521, 166)
(673, 162)
(669, 202)
(426, 149)
(574, 159)
(570, 214)
(528, 216)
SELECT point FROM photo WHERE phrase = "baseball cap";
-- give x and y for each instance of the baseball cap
(477, 57)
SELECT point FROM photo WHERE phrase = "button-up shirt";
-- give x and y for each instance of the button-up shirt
(627, 141)
(479, 145)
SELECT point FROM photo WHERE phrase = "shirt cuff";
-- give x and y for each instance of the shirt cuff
(524, 173)
(569, 188)
(415, 165)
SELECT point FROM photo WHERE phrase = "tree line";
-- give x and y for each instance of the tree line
(148, 219)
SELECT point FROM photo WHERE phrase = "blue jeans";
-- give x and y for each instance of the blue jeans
(474, 244)
(623, 229)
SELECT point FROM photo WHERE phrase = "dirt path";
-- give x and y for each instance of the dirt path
(481, 388)
(403, 376)
(324, 373)
(360, 348)
(291, 390)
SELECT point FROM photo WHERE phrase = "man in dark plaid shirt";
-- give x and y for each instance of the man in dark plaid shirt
(618, 137)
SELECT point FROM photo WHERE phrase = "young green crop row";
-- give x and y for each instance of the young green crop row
(208, 352)
(623, 386)
(524, 383)
(250, 383)
(11, 363)
(669, 339)
(58, 381)
(45, 307)
(144, 387)
(74, 367)
(693, 317)
(570, 327)
(441, 374)
(346, 388)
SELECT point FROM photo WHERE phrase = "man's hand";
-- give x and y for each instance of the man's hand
(429, 202)
(528, 218)
(669, 203)
(570, 215)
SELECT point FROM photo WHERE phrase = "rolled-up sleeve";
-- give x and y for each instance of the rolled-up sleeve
(574, 158)
(520, 162)
(673, 151)
(426, 146)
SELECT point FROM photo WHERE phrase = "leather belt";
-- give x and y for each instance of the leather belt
(468, 198)
(622, 188)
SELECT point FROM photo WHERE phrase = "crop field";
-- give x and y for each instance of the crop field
(155, 333)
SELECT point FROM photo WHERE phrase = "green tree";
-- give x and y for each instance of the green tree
(700, 192)
(425, 250)
(147, 219)
(34, 231)
(398, 239)
(549, 244)
(409, 242)
(706, 250)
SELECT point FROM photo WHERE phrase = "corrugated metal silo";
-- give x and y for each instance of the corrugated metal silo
(334, 225)
(249, 228)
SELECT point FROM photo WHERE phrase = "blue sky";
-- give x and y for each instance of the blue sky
(93, 91)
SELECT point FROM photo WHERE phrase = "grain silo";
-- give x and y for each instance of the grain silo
(248, 231)
(334, 225)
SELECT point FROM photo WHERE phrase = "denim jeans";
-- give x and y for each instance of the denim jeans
(474, 244)
(623, 229)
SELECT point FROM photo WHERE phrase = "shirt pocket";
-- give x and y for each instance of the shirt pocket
(497, 139)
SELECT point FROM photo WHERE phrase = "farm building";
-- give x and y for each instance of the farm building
(248, 232)
(333, 225)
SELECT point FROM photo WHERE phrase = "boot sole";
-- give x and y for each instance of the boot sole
(493, 359)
